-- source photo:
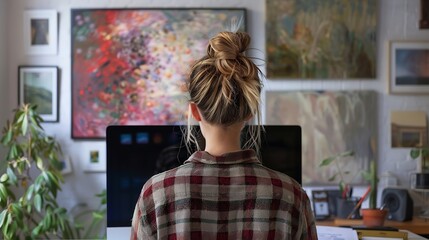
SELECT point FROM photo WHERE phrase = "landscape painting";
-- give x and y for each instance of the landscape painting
(129, 65)
(332, 122)
(409, 67)
(313, 39)
(38, 85)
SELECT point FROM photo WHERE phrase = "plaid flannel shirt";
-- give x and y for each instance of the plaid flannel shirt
(228, 197)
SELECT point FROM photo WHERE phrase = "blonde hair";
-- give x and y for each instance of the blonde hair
(225, 85)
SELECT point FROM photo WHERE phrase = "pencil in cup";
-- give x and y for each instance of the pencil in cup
(360, 202)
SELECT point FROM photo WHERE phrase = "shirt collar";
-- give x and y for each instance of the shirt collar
(243, 156)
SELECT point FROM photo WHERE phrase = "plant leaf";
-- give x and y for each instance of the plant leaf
(4, 178)
(24, 125)
(38, 202)
(333, 177)
(2, 217)
(415, 153)
(425, 152)
(6, 138)
(347, 154)
(39, 163)
(3, 190)
(12, 177)
(327, 161)
(29, 192)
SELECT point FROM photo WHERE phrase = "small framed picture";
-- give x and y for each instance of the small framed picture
(408, 67)
(408, 129)
(40, 32)
(320, 204)
(95, 161)
(39, 85)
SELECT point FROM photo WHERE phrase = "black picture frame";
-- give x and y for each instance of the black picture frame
(40, 85)
(320, 204)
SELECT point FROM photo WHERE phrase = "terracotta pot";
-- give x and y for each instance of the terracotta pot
(373, 217)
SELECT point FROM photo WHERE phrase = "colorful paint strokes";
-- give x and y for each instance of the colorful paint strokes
(129, 65)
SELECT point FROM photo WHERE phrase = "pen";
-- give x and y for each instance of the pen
(360, 202)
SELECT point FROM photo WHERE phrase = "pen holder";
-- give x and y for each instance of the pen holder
(345, 206)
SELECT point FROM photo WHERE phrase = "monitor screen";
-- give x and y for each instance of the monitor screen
(136, 153)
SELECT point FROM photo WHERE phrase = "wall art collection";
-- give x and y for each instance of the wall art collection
(128, 67)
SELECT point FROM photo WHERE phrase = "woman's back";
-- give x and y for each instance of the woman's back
(228, 197)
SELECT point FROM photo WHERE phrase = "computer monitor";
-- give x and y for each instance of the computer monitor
(136, 153)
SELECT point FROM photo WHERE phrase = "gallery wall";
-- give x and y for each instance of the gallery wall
(397, 20)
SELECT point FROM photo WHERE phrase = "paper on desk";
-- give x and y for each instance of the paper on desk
(336, 233)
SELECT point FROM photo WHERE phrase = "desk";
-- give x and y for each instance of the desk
(417, 225)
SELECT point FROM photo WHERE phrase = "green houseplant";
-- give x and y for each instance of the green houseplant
(31, 181)
(373, 216)
(423, 153)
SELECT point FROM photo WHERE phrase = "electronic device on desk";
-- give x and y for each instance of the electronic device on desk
(136, 153)
(399, 203)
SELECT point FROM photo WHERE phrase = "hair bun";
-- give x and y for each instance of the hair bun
(228, 45)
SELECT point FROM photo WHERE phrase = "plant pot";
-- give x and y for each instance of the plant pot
(373, 217)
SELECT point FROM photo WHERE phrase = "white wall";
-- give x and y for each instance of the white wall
(397, 21)
(4, 83)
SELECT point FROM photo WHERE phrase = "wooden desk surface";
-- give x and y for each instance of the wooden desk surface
(417, 225)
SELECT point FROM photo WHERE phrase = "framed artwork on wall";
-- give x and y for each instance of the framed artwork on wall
(40, 32)
(94, 158)
(313, 39)
(39, 85)
(332, 122)
(408, 129)
(129, 65)
(409, 67)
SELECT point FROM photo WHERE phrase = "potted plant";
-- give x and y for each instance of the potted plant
(373, 216)
(31, 181)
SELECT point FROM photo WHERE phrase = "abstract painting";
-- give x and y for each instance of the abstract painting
(332, 123)
(129, 65)
(329, 39)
